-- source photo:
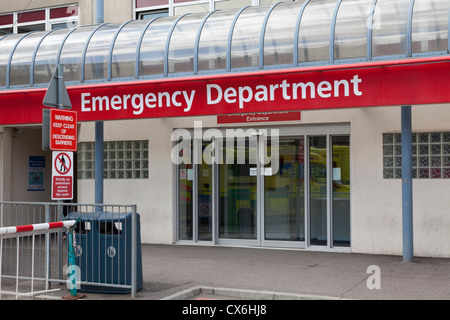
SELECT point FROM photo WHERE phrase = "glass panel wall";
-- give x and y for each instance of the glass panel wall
(430, 26)
(124, 52)
(350, 37)
(238, 191)
(318, 191)
(246, 38)
(212, 53)
(284, 202)
(185, 192)
(354, 24)
(205, 206)
(389, 27)
(302, 193)
(45, 61)
(341, 191)
(314, 36)
(96, 63)
(181, 50)
(6, 45)
(279, 35)
(151, 60)
(73, 51)
(21, 60)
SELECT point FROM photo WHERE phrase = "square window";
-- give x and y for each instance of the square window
(424, 173)
(388, 162)
(424, 162)
(446, 161)
(423, 137)
(446, 148)
(423, 149)
(388, 173)
(446, 136)
(116, 165)
(447, 173)
(436, 161)
(388, 138)
(436, 173)
(388, 150)
(435, 137)
(435, 149)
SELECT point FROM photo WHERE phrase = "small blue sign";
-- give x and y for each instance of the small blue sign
(36, 165)
(36, 162)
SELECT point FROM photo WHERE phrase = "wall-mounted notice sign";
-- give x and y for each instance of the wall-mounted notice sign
(36, 165)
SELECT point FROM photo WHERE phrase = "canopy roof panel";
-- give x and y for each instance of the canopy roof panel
(283, 35)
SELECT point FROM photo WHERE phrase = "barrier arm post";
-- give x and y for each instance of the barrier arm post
(73, 271)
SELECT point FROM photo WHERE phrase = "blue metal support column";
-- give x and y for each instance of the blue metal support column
(407, 186)
(99, 18)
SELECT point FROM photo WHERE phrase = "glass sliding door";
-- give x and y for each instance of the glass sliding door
(204, 198)
(185, 194)
(318, 211)
(238, 190)
(284, 202)
(299, 198)
(341, 191)
(329, 191)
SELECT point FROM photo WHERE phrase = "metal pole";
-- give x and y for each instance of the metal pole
(99, 163)
(99, 11)
(99, 18)
(407, 187)
(59, 244)
(134, 252)
(47, 247)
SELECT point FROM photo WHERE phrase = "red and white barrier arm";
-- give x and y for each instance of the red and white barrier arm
(37, 227)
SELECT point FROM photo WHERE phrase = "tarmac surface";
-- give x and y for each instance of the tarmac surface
(185, 272)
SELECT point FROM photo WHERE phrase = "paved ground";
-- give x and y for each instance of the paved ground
(192, 272)
(171, 269)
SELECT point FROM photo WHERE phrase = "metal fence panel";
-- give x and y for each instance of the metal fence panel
(107, 245)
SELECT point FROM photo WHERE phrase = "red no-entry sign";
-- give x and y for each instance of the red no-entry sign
(63, 130)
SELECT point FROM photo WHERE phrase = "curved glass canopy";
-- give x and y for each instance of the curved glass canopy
(283, 35)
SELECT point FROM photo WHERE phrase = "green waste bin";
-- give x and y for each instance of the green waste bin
(104, 250)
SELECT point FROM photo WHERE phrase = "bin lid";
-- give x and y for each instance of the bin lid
(83, 216)
(100, 216)
(114, 216)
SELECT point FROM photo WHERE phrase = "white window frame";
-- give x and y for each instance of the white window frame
(47, 21)
(171, 6)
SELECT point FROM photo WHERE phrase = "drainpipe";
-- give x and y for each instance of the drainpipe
(99, 18)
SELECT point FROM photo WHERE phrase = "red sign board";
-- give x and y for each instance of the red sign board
(260, 117)
(369, 84)
(63, 130)
(62, 176)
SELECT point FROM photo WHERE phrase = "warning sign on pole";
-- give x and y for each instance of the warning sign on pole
(63, 130)
(62, 175)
